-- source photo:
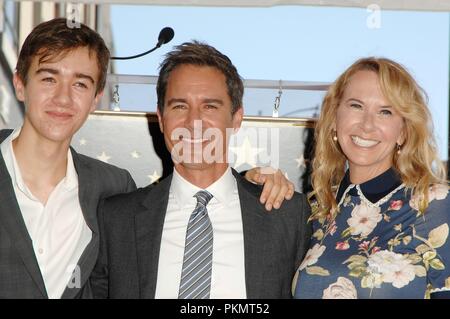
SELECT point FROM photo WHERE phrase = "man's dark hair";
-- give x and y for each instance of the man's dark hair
(200, 54)
(55, 38)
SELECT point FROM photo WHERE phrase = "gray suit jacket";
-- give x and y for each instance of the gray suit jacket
(131, 228)
(20, 276)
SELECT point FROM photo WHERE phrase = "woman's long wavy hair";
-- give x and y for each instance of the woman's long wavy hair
(418, 163)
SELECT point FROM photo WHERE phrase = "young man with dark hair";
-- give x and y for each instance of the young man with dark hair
(48, 192)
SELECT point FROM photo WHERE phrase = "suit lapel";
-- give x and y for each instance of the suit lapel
(255, 226)
(87, 187)
(12, 220)
(88, 194)
(149, 223)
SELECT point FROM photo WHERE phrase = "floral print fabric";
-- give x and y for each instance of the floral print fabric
(386, 249)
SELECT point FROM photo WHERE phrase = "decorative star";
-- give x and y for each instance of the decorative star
(83, 141)
(135, 154)
(246, 154)
(103, 157)
(154, 177)
(300, 161)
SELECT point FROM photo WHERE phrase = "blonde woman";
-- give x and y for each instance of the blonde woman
(380, 205)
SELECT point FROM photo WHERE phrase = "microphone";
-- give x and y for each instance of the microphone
(165, 36)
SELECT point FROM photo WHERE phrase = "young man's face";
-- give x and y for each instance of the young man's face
(59, 94)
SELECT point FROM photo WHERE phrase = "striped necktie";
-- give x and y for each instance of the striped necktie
(198, 249)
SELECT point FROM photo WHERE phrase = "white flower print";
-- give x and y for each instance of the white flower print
(364, 219)
(312, 256)
(372, 280)
(438, 191)
(343, 288)
(401, 277)
(393, 268)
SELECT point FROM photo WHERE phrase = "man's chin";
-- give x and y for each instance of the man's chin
(198, 166)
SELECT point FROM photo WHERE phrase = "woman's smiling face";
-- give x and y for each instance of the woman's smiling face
(368, 127)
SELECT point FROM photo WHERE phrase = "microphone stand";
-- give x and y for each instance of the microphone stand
(165, 35)
(137, 55)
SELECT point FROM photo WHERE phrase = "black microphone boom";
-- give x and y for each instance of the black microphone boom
(165, 36)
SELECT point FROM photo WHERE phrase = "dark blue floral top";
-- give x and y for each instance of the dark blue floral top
(379, 245)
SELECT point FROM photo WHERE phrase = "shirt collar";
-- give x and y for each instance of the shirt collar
(184, 191)
(223, 187)
(374, 189)
(70, 182)
(11, 163)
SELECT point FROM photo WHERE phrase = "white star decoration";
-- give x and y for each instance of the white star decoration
(135, 154)
(154, 177)
(300, 161)
(246, 153)
(103, 157)
(83, 141)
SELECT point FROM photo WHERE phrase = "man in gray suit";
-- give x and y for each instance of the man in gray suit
(49, 193)
(202, 232)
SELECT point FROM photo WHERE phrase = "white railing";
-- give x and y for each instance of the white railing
(261, 97)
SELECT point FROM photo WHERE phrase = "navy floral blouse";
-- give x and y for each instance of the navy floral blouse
(379, 245)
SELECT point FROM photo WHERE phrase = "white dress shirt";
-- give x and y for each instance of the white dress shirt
(228, 262)
(58, 230)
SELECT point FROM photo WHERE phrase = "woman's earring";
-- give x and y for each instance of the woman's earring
(399, 150)
(335, 136)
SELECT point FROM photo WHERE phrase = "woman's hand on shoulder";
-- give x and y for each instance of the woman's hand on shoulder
(276, 189)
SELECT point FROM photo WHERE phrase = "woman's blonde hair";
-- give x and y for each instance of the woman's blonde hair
(417, 164)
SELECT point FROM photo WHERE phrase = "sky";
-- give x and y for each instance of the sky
(291, 43)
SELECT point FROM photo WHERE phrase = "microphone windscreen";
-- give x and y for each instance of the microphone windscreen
(165, 35)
